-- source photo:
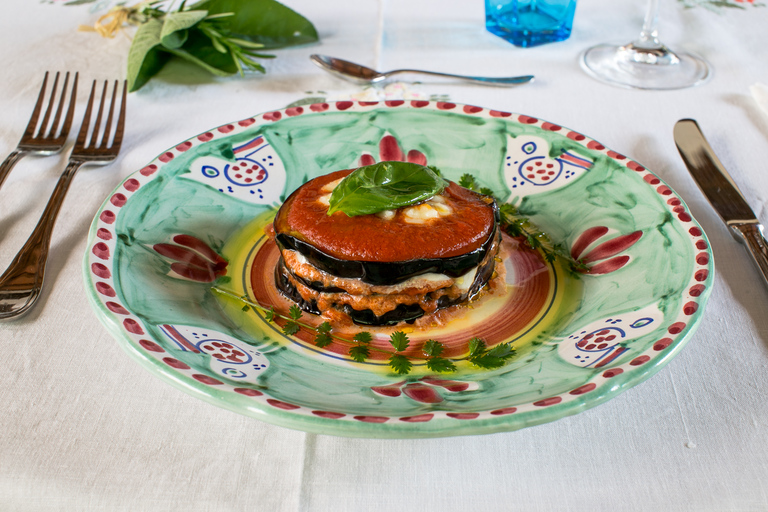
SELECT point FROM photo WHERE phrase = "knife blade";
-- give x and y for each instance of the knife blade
(721, 191)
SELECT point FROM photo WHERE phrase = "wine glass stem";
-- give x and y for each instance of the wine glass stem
(649, 37)
(648, 49)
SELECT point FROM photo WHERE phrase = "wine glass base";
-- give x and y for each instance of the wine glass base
(615, 65)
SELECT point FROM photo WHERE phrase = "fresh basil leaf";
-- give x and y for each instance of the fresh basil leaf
(145, 58)
(262, 21)
(176, 25)
(384, 186)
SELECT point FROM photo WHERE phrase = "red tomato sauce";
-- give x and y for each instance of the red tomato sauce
(372, 238)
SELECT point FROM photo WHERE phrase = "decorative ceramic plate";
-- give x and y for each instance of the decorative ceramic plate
(195, 217)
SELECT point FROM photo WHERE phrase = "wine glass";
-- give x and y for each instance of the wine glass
(645, 63)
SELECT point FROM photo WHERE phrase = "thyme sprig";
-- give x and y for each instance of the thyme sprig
(517, 225)
(360, 351)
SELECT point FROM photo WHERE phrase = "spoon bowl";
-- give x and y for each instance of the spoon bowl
(363, 75)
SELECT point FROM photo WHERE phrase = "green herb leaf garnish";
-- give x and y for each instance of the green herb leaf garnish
(384, 186)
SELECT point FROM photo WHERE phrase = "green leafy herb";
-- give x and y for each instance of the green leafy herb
(384, 186)
(360, 353)
(515, 225)
(295, 312)
(400, 364)
(441, 365)
(291, 328)
(220, 36)
(363, 337)
(432, 348)
(323, 339)
(361, 349)
(399, 340)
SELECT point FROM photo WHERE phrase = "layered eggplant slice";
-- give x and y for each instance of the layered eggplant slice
(385, 268)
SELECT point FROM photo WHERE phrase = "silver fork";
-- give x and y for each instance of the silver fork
(35, 140)
(22, 282)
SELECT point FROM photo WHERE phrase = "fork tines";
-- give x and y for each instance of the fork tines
(54, 130)
(100, 142)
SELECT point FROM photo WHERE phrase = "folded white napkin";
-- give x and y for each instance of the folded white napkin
(760, 94)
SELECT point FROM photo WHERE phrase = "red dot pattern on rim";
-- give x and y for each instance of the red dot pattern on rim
(586, 388)
(151, 346)
(102, 251)
(149, 170)
(131, 185)
(421, 418)
(463, 415)
(107, 217)
(118, 199)
(281, 405)
(101, 270)
(548, 401)
(175, 363)
(329, 415)
(132, 326)
(248, 391)
(105, 289)
(372, 419)
(205, 379)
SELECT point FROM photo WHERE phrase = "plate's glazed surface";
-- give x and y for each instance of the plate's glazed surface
(194, 217)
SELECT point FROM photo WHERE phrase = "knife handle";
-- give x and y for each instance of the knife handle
(752, 236)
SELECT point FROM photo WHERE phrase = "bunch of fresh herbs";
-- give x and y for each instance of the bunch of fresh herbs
(223, 37)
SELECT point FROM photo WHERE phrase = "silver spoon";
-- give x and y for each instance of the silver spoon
(366, 76)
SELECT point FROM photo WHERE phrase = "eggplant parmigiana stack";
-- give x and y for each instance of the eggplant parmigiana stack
(389, 267)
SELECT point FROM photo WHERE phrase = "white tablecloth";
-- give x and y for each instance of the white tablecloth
(83, 427)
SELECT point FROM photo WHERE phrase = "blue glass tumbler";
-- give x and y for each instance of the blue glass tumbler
(528, 23)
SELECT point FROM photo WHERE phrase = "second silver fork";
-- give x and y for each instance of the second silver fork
(22, 282)
(47, 138)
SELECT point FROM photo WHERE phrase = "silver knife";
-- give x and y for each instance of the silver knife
(721, 190)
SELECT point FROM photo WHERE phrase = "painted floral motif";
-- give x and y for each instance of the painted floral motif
(192, 259)
(528, 168)
(601, 342)
(257, 174)
(229, 357)
(427, 390)
(603, 259)
(389, 151)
